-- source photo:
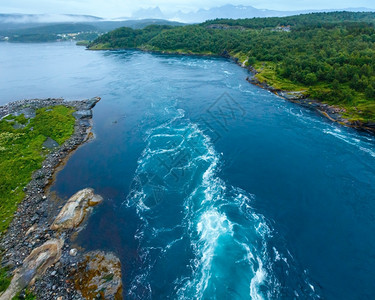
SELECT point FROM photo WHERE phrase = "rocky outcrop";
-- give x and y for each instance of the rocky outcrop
(76, 209)
(50, 143)
(99, 276)
(103, 270)
(83, 114)
(34, 266)
(263, 85)
(28, 107)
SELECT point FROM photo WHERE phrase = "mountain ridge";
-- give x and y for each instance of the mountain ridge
(229, 11)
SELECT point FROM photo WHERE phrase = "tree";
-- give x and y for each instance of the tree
(311, 79)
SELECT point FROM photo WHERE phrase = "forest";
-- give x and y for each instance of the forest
(328, 56)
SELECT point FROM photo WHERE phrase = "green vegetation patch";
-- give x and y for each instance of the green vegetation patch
(24, 295)
(4, 279)
(267, 73)
(22, 152)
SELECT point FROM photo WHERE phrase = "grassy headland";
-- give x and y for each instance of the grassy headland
(326, 56)
(22, 152)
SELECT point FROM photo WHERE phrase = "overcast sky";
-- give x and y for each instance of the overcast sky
(120, 8)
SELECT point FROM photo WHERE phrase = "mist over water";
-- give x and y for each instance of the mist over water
(213, 188)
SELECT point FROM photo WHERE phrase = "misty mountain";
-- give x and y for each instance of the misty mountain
(105, 26)
(226, 11)
(148, 13)
(51, 31)
(230, 11)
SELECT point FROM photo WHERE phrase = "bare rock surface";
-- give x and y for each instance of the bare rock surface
(76, 209)
(34, 266)
(99, 276)
(50, 143)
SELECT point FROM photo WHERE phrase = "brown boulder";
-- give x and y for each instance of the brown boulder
(99, 276)
(76, 209)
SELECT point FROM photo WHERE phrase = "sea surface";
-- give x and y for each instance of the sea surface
(213, 188)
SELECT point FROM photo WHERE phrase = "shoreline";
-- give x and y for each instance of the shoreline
(30, 227)
(331, 112)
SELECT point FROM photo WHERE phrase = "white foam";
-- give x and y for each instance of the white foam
(205, 220)
(256, 281)
(211, 227)
(350, 140)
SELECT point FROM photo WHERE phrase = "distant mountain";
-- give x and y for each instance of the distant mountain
(148, 13)
(105, 26)
(230, 11)
(15, 24)
(39, 28)
(226, 11)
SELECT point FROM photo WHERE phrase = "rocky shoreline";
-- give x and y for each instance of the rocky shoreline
(36, 247)
(333, 113)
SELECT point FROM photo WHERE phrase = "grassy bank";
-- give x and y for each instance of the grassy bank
(358, 108)
(4, 279)
(22, 152)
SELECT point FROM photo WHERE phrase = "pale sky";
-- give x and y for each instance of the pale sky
(121, 8)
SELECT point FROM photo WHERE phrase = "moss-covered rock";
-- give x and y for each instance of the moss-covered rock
(99, 276)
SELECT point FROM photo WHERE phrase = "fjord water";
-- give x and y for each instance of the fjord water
(213, 188)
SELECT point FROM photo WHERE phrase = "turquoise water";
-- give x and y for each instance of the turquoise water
(213, 188)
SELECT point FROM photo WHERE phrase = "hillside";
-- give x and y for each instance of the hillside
(33, 31)
(325, 56)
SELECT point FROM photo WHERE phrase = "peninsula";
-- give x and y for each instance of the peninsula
(38, 260)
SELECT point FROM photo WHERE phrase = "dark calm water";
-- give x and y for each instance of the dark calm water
(213, 188)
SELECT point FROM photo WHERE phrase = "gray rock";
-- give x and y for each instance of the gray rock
(17, 125)
(73, 252)
(34, 266)
(85, 123)
(50, 143)
(91, 103)
(83, 114)
(370, 124)
(28, 112)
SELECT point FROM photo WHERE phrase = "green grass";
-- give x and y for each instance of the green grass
(83, 43)
(362, 111)
(21, 152)
(106, 46)
(242, 57)
(4, 279)
(267, 73)
(26, 296)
